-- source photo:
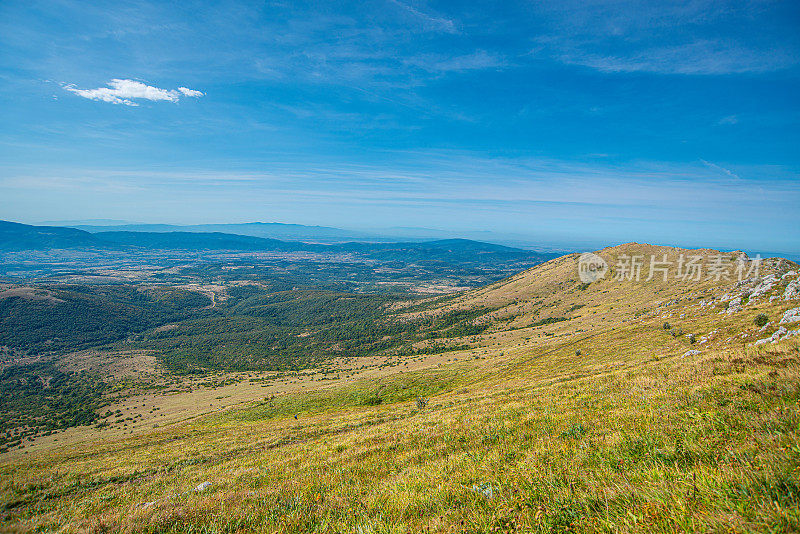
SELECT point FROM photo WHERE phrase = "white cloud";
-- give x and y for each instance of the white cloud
(125, 91)
(191, 92)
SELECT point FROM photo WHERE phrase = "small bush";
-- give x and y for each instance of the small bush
(761, 319)
(575, 431)
(421, 402)
(373, 400)
(667, 326)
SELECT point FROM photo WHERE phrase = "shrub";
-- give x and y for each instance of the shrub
(373, 400)
(667, 326)
(761, 319)
(575, 431)
(421, 402)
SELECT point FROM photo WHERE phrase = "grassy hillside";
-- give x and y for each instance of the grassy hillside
(651, 407)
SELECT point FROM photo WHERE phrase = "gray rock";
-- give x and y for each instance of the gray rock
(767, 283)
(776, 336)
(792, 290)
(791, 316)
(733, 308)
(484, 489)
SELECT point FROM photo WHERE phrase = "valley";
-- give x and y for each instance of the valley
(534, 403)
(69, 255)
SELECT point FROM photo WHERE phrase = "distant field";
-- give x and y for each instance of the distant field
(71, 256)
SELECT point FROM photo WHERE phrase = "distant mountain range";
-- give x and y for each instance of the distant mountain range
(290, 232)
(19, 237)
(319, 234)
(16, 236)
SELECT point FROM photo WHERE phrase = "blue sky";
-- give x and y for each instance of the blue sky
(578, 123)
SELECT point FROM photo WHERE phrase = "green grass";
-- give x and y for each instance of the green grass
(711, 444)
(392, 389)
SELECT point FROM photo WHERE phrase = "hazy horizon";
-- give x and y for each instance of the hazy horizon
(560, 122)
(397, 233)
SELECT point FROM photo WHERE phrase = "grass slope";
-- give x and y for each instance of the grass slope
(600, 423)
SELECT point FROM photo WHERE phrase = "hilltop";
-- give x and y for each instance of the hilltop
(541, 402)
(16, 236)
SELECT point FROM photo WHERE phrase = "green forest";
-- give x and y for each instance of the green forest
(40, 398)
(75, 317)
(252, 329)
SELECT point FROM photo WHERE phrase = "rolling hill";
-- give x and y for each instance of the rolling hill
(617, 405)
(16, 236)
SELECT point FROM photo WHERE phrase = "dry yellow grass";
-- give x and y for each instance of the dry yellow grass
(524, 434)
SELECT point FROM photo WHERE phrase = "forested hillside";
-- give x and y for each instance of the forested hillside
(71, 317)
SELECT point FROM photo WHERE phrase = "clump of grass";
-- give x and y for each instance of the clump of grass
(575, 431)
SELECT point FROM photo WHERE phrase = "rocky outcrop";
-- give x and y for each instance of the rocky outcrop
(792, 290)
(791, 316)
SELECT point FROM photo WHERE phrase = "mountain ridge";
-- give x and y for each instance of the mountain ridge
(18, 236)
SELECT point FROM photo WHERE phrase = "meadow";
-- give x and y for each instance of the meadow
(608, 421)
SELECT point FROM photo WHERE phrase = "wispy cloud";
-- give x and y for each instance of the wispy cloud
(668, 37)
(721, 169)
(441, 23)
(556, 199)
(700, 57)
(120, 91)
(478, 60)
